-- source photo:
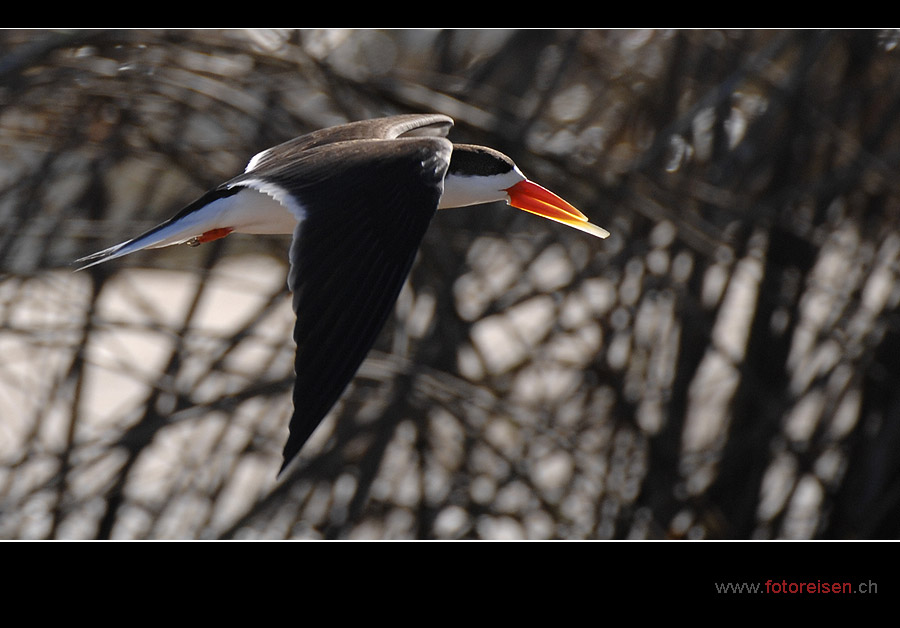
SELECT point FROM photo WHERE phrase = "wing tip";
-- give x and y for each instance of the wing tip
(288, 457)
(99, 257)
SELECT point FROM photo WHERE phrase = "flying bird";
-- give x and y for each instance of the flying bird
(357, 199)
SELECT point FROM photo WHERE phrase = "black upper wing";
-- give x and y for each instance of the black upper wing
(389, 128)
(366, 208)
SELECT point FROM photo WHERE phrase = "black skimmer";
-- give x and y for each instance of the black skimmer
(357, 199)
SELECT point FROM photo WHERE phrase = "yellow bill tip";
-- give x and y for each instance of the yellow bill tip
(533, 198)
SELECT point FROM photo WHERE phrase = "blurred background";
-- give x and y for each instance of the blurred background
(724, 366)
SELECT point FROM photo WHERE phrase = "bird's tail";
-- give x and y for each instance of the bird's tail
(198, 222)
(158, 237)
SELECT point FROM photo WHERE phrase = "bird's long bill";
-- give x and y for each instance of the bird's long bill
(531, 197)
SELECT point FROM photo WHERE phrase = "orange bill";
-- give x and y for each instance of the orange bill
(533, 198)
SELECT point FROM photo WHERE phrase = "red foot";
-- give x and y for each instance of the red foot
(214, 234)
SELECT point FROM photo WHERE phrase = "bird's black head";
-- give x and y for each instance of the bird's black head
(477, 174)
(471, 160)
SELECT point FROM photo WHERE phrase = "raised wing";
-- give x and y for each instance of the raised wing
(393, 127)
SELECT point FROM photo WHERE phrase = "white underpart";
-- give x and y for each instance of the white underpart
(256, 209)
(463, 191)
(281, 216)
